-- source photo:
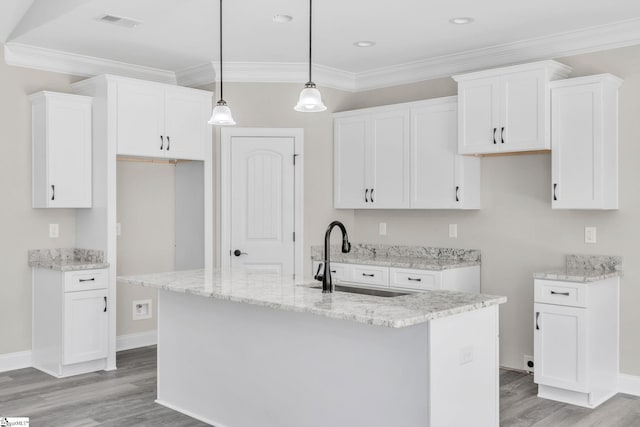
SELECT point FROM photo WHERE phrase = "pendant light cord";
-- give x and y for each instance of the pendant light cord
(310, 12)
(221, 93)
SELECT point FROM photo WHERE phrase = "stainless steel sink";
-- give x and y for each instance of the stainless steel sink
(366, 291)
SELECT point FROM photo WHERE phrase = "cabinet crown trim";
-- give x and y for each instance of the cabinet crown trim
(394, 107)
(554, 68)
(597, 78)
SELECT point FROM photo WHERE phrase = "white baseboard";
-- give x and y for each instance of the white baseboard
(629, 384)
(142, 339)
(188, 413)
(13, 361)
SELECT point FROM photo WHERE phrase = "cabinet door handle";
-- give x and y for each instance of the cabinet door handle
(87, 280)
(566, 294)
(494, 135)
(161, 142)
(105, 304)
(555, 196)
(414, 280)
(372, 195)
(366, 195)
(168, 143)
(368, 275)
(457, 193)
(537, 316)
(53, 192)
(502, 135)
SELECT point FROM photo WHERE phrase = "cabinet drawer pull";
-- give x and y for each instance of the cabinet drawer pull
(161, 142)
(372, 195)
(87, 280)
(366, 195)
(333, 271)
(105, 304)
(53, 192)
(555, 187)
(368, 275)
(414, 280)
(168, 143)
(566, 294)
(457, 193)
(502, 135)
(494, 135)
(537, 316)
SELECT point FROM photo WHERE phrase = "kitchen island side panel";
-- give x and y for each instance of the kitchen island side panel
(233, 364)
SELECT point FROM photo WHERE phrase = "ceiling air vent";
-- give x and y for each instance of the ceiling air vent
(120, 20)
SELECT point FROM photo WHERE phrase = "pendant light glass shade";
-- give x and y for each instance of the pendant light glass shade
(221, 115)
(310, 100)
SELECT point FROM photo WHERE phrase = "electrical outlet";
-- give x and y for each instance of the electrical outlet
(142, 309)
(466, 355)
(54, 231)
(528, 364)
(453, 230)
(118, 229)
(590, 235)
(382, 228)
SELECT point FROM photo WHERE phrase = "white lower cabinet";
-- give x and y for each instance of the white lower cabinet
(463, 279)
(576, 343)
(70, 321)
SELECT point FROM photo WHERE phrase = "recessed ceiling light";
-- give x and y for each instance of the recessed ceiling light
(461, 20)
(282, 19)
(364, 43)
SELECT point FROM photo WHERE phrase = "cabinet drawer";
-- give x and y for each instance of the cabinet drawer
(370, 275)
(85, 280)
(414, 279)
(339, 271)
(561, 293)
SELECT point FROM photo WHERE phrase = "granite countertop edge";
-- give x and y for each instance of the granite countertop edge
(368, 316)
(577, 276)
(402, 262)
(69, 266)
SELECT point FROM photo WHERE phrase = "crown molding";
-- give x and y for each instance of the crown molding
(593, 39)
(266, 72)
(39, 58)
(603, 37)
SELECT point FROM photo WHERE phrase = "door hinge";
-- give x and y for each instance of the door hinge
(294, 159)
(294, 236)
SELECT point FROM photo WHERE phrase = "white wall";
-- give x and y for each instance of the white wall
(146, 212)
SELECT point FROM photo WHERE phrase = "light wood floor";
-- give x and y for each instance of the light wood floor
(125, 397)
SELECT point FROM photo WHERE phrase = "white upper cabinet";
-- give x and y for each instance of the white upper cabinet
(403, 156)
(157, 120)
(372, 160)
(440, 178)
(585, 142)
(61, 141)
(506, 109)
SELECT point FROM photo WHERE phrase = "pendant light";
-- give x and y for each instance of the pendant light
(310, 100)
(221, 113)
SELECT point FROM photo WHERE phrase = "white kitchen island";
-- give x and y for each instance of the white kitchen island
(240, 349)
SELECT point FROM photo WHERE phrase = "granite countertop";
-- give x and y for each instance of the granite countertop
(585, 269)
(67, 259)
(417, 257)
(278, 292)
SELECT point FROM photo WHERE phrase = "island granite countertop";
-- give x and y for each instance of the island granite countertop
(585, 269)
(284, 293)
(416, 257)
(67, 259)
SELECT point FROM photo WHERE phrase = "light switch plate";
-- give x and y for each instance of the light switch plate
(590, 235)
(453, 230)
(142, 309)
(382, 228)
(54, 231)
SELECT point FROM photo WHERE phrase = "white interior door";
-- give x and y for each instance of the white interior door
(263, 203)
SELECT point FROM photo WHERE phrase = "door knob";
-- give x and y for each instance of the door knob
(237, 252)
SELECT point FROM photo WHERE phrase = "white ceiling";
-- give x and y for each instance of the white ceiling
(180, 34)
